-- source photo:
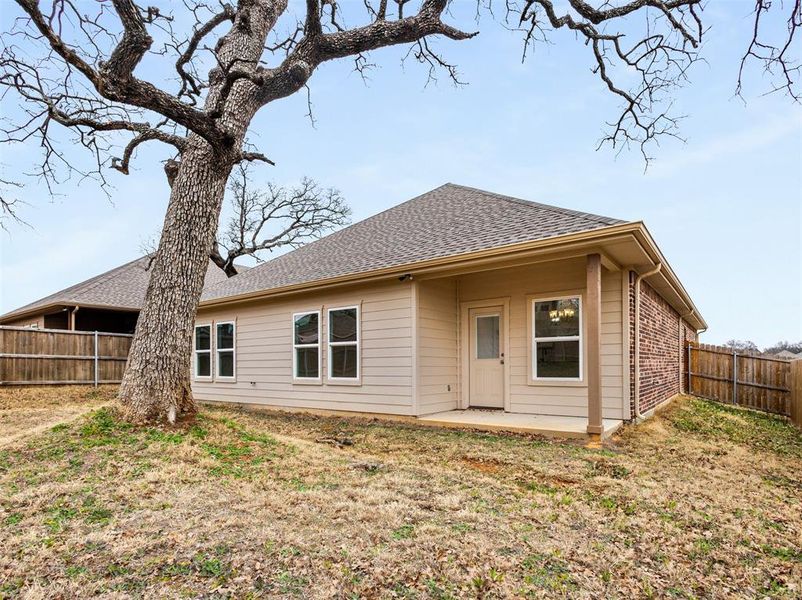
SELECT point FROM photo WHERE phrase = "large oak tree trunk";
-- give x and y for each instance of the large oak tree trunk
(156, 384)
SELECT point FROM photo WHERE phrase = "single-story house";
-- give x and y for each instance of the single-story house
(456, 300)
(109, 302)
(787, 354)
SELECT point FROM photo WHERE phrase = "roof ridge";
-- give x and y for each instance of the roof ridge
(550, 207)
(261, 265)
(95, 281)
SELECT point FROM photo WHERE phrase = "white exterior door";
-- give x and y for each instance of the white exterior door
(486, 357)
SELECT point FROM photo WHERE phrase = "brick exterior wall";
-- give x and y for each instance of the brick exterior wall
(662, 355)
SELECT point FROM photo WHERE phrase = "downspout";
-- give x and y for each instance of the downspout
(637, 335)
(72, 318)
(682, 338)
(682, 350)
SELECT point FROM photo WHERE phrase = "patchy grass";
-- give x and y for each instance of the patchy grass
(721, 422)
(700, 501)
(29, 410)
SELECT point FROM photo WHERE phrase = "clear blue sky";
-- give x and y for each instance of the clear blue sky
(726, 207)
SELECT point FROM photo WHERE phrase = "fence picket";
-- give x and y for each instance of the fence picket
(757, 382)
(51, 356)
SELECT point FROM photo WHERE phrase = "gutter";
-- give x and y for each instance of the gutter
(638, 279)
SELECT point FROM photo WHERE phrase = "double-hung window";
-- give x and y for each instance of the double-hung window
(344, 344)
(224, 350)
(557, 339)
(203, 351)
(306, 346)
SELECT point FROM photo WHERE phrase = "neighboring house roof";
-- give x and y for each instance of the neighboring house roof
(122, 288)
(447, 221)
(788, 354)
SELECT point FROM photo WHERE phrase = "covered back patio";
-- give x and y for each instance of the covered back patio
(536, 344)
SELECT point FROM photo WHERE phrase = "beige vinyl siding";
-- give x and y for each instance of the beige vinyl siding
(438, 350)
(612, 346)
(545, 280)
(264, 352)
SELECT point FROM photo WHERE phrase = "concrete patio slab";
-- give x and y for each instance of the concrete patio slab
(492, 420)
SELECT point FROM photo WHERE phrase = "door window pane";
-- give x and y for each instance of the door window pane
(306, 362)
(558, 359)
(343, 361)
(557, 318)
(487, 336)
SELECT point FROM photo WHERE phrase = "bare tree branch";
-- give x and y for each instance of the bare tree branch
(778, 59)
(115, 80)
(190, 86)
(91, 88)
(660, 59)
(316, 48)
(267, 220)
(9, 204)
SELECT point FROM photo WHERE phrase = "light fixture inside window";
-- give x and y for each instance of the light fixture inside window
(557, 315)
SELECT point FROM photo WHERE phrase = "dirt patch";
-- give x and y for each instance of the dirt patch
(250, 505)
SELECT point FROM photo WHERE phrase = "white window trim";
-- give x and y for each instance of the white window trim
(295, 346)
(195, 352)
(217, 351)
(329, 377)
(563, 338)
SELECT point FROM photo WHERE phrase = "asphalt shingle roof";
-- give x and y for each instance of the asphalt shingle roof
(447, 221)
(123, 287)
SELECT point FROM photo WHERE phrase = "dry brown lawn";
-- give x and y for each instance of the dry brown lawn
(25, 411)
(701, 501)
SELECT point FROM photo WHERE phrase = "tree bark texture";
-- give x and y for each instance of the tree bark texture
(156, 386)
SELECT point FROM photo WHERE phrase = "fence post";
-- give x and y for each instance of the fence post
(96, 361)
(734, 377)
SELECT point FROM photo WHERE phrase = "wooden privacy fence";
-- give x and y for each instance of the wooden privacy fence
(796, 392)
(53, 356)
(756, 382)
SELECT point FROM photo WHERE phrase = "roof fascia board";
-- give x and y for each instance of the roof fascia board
(573, 240)
(45, 308)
